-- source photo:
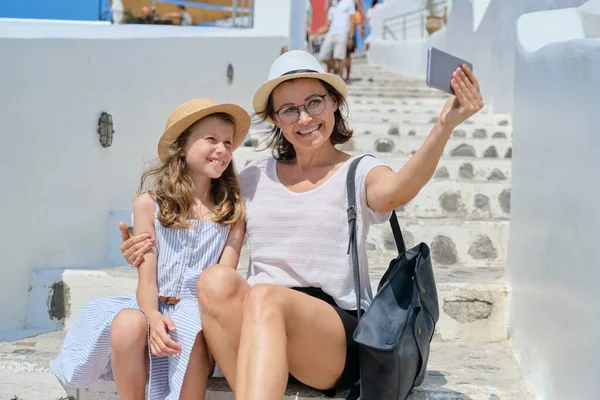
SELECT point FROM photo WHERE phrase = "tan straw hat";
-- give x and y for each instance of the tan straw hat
(293, 65)
(186, 114)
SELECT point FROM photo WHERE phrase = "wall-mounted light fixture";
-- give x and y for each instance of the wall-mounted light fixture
(230, 73)
(105, 129)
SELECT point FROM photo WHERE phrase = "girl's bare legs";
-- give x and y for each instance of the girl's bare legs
(129, 359)
(285, 331)
(221, 292)
(198, 370)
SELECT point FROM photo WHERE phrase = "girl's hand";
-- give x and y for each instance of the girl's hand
(161, 343)
(134, 247)
(467, 100)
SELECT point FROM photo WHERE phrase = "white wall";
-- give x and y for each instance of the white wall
(394, 8)
(59, 185)
(553, 257)
(273, 17)
(484, 32)
(409, 57)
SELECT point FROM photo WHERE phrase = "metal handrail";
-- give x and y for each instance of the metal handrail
(408, 18)
(418, 11)
(390, 32)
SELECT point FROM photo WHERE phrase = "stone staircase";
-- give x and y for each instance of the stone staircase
(463, 214)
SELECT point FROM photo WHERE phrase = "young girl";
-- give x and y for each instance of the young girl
(194, 215)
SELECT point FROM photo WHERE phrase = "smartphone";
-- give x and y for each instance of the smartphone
(440, 67)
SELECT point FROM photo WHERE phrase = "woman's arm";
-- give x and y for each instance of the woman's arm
(386, 189)
(134, 247)
(231, 253)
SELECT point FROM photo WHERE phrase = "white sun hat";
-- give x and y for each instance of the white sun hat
(293, 65)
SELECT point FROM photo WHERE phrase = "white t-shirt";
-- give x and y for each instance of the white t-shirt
(339, 15)
(301, 239)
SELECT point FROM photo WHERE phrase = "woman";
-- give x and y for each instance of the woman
(295, 314)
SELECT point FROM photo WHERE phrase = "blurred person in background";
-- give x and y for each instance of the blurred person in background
(338, 33)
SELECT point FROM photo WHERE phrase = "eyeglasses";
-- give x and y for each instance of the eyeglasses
(313, 106)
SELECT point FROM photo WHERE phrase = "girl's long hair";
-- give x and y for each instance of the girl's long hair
(172, 187)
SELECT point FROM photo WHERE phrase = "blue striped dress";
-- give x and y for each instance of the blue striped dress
(182, 255)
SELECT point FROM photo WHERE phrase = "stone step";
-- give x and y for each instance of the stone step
(374, 100)
(400, 109)
(359, 69)
(396, 93)
(395, 88)
(453, 241)
(363, 61)
(457, 370)
(472, 300)
(415, 122)
(404, 107)
(367, 86)
(391, 115)
(57, 295)
(460, 199)
(460, 169)
(369, 75)
(363, 67)
(368, 80)
(413, 132)
(406, 128)
(386, 109)
(454, 168)
(381, 105)
(456, 147)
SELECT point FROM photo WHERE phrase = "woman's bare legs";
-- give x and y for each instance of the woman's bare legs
(285, 331)
(221, 292)
(129, 358)
(198, 370)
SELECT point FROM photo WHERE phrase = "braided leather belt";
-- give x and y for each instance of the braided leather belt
(171, 301)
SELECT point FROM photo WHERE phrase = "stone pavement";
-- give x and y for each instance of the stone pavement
(457, 371)
(463, 214)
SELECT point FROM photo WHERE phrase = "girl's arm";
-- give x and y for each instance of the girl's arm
(386, 189)
(161, 343)
(231, 253)
(144, 208)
